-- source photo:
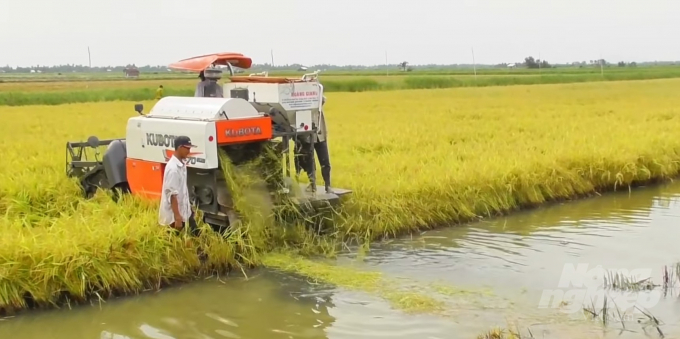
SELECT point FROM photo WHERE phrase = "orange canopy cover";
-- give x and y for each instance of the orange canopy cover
(200, 63)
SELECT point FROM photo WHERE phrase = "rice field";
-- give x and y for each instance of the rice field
(415, 159)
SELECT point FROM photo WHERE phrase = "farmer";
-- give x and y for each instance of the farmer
(321, 147)
(306, 161)
(159, 92)
(175, 209)
(199, 87)
(208, 86)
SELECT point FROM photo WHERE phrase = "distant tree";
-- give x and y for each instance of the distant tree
(529, 62)
(622, 64)
(403, 65)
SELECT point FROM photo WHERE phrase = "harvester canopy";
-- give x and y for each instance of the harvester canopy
(200, 63)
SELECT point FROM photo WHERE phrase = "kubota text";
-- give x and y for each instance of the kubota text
(242, 132)
(157, 139)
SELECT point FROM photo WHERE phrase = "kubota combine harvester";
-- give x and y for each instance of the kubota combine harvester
(256, 111)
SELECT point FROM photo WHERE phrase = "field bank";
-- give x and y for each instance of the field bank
(414, 159)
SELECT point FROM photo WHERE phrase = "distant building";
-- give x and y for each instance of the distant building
(302, 68)
(131, 71)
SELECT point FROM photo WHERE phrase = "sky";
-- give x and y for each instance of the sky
(340, 32)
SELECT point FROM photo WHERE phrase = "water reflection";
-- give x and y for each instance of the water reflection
(272, 305)
(267, 306)
(640, 222)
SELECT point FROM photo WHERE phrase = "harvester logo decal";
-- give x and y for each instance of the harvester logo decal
(305, 94)
(158, 139)
(242, 132)
(168, 140)
(191, 159)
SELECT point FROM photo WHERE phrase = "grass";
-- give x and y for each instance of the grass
(18, 93)
(617, 281)
(415, 160)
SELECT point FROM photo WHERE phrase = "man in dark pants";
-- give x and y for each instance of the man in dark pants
(175, 208)
(193, 227)
(306, 159)
(321, 148)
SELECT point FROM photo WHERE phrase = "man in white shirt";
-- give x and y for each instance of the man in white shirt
(175, 209)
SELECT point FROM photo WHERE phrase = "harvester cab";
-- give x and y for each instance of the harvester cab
(259, 115)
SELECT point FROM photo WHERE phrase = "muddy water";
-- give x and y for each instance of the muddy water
(513, 259)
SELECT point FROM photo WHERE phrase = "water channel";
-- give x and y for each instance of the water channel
(513, 260)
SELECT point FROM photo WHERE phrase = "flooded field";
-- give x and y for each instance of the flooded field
(513, 260)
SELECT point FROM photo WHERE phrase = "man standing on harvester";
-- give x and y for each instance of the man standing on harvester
(175, 209)
(306, 160)
(321, 146)
(208, 86)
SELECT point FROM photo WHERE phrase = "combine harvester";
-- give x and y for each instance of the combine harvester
(255, 112)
